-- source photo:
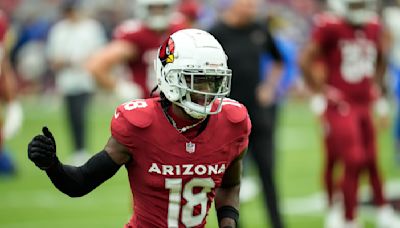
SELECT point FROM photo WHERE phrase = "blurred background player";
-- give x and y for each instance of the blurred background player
(11, 111)
(135, 45)
(391, 17)
(70, 43)
(175, 133)
(190, 10)
(344, 63)
(245, 40)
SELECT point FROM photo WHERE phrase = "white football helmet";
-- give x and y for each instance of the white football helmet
(155, 19)
(357, 12)
(192, 72)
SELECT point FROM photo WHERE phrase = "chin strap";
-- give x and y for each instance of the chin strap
(183, 129)
(195, 114)
(192, 113)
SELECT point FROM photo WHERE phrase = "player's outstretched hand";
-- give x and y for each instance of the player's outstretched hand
(42, 150)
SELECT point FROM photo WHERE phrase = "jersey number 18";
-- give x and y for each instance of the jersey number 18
(177, 191)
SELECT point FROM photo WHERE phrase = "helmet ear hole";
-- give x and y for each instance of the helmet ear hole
(173, 95)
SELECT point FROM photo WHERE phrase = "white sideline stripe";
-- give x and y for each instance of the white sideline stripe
(50, 199)
(297, 205)
(310, 205)
(315, 203)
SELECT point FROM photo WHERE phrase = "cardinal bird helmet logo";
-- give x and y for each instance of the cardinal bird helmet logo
(167, 50)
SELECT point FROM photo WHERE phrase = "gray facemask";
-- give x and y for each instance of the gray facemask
(158, 22)
(360, 16)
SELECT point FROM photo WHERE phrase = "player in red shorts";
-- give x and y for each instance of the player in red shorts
(352, 50)
(182, 150)
(135, 45)
(9, 106)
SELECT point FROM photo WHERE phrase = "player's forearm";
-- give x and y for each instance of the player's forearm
(104, 79)
(227, 205)
(227, 196)
(380, 74)
(314, 77)
(313, 70)
(386, 44)
(227, 223)
(101, 73)
(8, 81)
(78, 181)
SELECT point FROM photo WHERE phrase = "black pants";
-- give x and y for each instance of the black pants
(76, 107)
(262, 150)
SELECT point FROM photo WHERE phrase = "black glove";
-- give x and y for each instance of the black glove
(42, 150)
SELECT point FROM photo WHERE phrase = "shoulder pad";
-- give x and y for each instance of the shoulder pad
(234, 111)
(138, 112)
(326, 18)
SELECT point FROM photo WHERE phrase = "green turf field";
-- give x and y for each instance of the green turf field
(30, 200)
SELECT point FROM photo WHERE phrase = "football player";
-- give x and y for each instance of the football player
(135, 45)
(10, 107)
(344, 62)
(191, 10)
(182, 150)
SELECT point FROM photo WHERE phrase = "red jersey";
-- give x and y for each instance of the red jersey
(3, 31)
(350, 55)
(3, 26)
(172, 178)
(147, 42)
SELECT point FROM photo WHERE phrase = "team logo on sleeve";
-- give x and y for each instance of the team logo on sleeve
(167, 50)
